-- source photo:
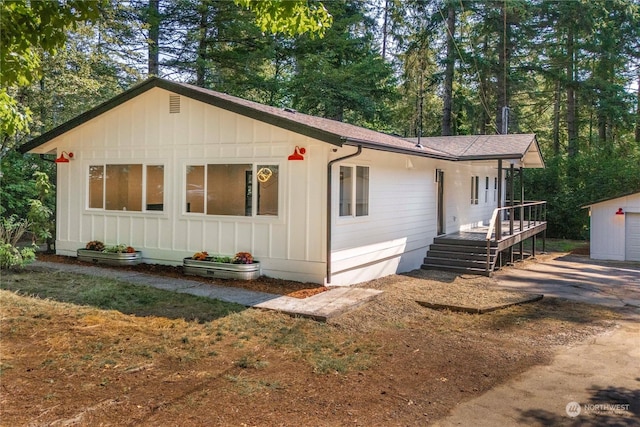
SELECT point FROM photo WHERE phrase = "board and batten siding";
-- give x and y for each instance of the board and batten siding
(142, 131)
(614, 237)
(402, 220)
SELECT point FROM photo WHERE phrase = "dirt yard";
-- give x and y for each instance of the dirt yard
(390, 362)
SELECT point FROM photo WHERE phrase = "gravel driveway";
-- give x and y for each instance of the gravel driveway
(575, 277)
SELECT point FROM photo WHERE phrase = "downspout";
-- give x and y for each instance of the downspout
(329, 210)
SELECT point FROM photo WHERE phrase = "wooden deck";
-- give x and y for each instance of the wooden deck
(507, 239)
(478, 251)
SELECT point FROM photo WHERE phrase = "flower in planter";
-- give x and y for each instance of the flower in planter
(243, 258)
(119, 249)
(200, 256)
(95, 245)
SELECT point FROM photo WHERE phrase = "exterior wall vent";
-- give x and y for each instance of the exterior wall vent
(174, 104)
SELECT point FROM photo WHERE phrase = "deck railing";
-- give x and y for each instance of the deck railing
(526, 215)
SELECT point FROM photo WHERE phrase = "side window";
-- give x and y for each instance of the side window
(474, 189)
(486, 190)
(354, 191)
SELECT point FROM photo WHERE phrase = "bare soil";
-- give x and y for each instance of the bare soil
(391, 362)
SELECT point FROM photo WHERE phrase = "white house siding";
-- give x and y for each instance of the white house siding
(609, 232)
(141, 130)
(402, 220)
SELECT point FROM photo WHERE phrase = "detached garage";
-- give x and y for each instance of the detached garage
(615, 228)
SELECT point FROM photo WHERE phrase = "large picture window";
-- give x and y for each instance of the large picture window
(354, 191)
(228, 189)
(130, 187)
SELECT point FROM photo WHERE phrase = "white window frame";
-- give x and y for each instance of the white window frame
(354, 193)
(144, 166)
(254, 185)
(475, 188)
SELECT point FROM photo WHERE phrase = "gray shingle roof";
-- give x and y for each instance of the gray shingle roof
(327, 130)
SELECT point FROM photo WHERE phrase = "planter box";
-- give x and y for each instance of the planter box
(110, 258)
(221, 270)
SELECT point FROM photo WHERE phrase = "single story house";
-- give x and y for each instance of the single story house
(172, 169)
(615, 228)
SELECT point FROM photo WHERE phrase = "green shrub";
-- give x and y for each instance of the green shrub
(12, 258)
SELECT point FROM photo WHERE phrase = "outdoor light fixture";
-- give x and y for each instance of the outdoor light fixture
(297, 153)
(63, 159)
(620, 212)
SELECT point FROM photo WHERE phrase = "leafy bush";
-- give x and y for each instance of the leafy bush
(12, 258)
(11, 230)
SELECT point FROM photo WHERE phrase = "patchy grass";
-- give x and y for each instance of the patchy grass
(111, 294)
(80, 350)
(559, 245)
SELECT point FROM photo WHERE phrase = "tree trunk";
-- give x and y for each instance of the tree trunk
(385, 31)
(202, 46)
(638, 113)
(572, 129)
(502, 92)
(154, 37)
(449, 70)
(556, 120)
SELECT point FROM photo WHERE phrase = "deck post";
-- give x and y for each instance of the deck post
(533, 246)
(499, 221)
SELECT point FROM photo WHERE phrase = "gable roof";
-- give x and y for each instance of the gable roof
(327, 130)
(608, 199)
(487, 147)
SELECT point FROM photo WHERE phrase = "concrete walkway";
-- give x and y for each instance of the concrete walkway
(594, 383)
(320, 307)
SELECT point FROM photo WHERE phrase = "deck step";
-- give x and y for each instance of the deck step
(454, 269)
(469, 256)
(461, 248)
(456, 262)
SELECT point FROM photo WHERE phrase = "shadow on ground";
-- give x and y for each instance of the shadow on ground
(609, 406)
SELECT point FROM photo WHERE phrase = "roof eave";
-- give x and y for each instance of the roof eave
(413, 152)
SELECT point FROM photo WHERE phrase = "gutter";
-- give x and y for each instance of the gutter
(329, 210)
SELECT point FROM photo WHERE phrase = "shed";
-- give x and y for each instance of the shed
(615, 228)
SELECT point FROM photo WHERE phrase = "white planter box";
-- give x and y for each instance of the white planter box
(221, 270)
(109, 258)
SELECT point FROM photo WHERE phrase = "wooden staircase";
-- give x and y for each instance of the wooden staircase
(461, 256)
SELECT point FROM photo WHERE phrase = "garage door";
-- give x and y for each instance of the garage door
(632, 237)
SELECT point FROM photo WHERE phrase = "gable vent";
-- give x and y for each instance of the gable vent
(174, 104)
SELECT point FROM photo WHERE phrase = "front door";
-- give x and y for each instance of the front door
(440, 201)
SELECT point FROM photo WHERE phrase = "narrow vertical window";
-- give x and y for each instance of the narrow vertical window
(267, 177)
(475, 183)
(354, 191)
(495, 189)
(155, 188)
(346, 189)
(195, 189)
(362, 191)
(486, 190)
(96, 187)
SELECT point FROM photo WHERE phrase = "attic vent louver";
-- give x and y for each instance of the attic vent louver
(174, 104)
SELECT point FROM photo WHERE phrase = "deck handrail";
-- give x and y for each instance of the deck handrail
(495, 225)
